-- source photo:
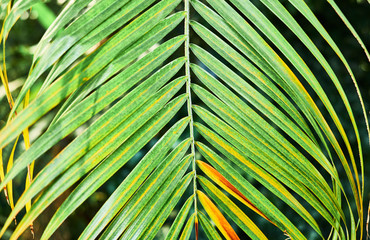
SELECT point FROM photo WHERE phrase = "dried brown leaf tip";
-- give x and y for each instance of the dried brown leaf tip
(32, 232)
(286, 234)
(6, 196)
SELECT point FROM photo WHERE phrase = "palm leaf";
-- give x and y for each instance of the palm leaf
(263, 122)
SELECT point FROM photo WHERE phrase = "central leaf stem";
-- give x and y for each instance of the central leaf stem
(188, 91)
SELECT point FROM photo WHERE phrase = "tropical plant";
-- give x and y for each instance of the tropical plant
(265, 122)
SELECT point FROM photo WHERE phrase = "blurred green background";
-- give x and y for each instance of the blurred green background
(31, 26)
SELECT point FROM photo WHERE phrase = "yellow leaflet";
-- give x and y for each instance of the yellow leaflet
(227, 186)
(222, 224)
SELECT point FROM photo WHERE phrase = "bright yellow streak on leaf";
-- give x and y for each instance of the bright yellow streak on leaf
(1, 166)
(27, 146)
(30, 167)
(9, 186)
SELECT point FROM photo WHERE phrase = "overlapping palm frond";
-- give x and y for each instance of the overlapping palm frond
(264, 122)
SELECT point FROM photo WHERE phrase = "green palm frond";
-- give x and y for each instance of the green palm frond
(230, 117)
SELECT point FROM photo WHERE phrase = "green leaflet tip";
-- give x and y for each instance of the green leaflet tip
(193, 23)
(181, 59)
(193, 45)
(181, 13)
(196, 107)
(193, 65)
